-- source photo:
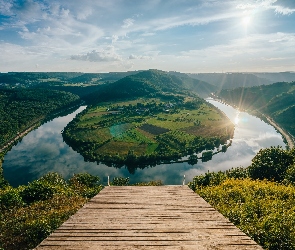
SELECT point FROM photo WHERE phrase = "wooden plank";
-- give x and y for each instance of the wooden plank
(159, 217)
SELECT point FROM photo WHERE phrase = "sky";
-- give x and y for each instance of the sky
(189, 36)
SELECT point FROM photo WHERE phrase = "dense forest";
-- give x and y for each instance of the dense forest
(22, 108)
(276, 101)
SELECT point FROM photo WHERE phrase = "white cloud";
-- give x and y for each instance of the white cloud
(283, 10)
(83, 14)
(128, 23)
(5, 7)
(107, 55)
(28, 11)
(132, 56)
(115, 38)
(284, 7)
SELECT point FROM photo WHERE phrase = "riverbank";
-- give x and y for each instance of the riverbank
(36, 125)
(20, 135)
(290, 140)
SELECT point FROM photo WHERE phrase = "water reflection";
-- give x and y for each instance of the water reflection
(237, 119)
(43, 151)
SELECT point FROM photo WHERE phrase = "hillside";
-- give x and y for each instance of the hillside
(151, 83)
(201, 88)
(277, 77)
(29, 79)
(231, 80)
(148, 83)
(23, 108)
(276, 100)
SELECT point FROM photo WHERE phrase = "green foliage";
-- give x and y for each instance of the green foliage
(264, 210)
(259, 199)
(22, 108)
(148, 83)
(28, 214)
(149, 183)
(43, 188)
(86, 185)
(10, 198)
(208, 179)
(120, 181)
(290, 175)
(271, 164)
(3, 182)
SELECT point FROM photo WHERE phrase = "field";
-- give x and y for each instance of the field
(147, 128)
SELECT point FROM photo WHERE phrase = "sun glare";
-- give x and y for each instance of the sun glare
(246, 20)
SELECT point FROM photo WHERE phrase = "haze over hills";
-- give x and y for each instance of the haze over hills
(202, 88)
(277, 77)
(231, 80)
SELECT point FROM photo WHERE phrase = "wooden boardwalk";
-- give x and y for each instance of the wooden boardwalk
(159, 217)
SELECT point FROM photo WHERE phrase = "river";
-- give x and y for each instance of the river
(43, 150)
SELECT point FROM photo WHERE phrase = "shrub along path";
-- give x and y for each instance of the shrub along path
(147, 217)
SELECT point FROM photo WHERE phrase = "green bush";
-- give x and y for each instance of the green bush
(120, 181)
(271, 164)
(85, 185)
(149, 183)
(37, 191)
(44, 188)
(290, 175)
(208, 179)
(10, 198)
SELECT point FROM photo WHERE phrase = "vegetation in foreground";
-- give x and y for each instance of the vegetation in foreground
(28, 214)
(260, 199)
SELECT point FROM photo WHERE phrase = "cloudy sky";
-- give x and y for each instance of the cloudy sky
(122, 35)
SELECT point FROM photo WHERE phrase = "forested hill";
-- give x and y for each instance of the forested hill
(276, 100)
(203, 89)
(231, 80)
(27, 79)
(277, 76)
(22, 108)
(86, 84)
(148, 83)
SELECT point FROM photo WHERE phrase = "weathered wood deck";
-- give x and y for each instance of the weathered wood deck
(162, 217)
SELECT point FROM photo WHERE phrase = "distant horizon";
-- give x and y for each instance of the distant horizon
(237, 72)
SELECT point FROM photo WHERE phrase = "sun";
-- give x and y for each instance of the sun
(246, 20)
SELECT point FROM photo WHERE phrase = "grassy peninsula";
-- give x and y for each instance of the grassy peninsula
(155, 120)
